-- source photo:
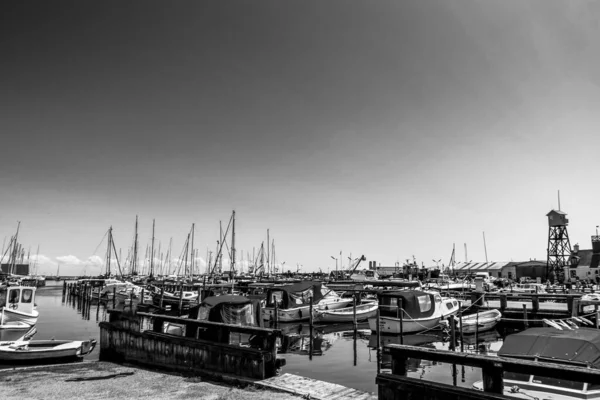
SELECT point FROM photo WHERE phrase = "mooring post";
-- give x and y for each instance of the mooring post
(354, 311)
(275, 313)
(477, 331)
(98, 307)
(310, 324)
(162, 296)
(462, 339)
(535, 302)
(64, 288)
(180, 299)
(525, 323)
(400, 305)
(114, 297)
(597, 316)
(131, 300)
(452, 333)
(378, 337)
(493, 379)
(503, 302)
(142, 298)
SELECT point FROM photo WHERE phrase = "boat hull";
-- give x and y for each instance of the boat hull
(486, 321)
(302, 313)
(9, 316)
(45, 350)
(392, 325)
(346, 314)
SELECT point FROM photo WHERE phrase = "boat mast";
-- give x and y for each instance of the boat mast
(15, 249)
(152, 252)
(192, 254)
(268, 255)
(232, 267)
(135, 249)
(108, 252)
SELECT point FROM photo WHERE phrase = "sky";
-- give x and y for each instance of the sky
(391, 129)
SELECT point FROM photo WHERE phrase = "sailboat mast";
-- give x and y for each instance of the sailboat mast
(192, 254)
(135, 248)
(268, 254)
(15, 249)
(108, 251)
(232, 267)
(152, 252)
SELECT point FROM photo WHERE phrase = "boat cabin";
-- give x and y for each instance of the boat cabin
(295, 295)
(414, 303)
(579, 347)
(228, 309)
(19, 298)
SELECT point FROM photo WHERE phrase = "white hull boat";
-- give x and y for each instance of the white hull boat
(410, 311)
(479, 322)
(44, 350)
(17, 305)
(346, 314)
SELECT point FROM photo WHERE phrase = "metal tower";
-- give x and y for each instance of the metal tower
(559, 246)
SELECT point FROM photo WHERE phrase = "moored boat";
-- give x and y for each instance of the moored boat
(409, 311)
(346, 314)
(293, 301)
(17, 304)
(578, 347)
(45, 350)
(479, 322)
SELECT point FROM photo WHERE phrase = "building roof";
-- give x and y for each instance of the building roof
(556, 212)
(480, 266)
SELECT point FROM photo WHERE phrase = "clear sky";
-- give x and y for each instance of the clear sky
(383, 128)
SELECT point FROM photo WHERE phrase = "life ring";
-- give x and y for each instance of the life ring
(14, 306)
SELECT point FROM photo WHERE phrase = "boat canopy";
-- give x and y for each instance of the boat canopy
(295, 295)
(579, 346)
(227, 309)
(415, 303)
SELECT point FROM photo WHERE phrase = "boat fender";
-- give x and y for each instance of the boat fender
(564, 324)
(573, 324)
(552, 324)
(587, 321)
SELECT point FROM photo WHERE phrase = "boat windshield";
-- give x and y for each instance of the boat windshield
(562, 383)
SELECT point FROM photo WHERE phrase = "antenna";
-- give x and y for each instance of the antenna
(559, 200)
(485, 248)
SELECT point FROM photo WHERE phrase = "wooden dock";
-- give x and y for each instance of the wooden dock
(313, 388)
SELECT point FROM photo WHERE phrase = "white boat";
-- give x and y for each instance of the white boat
(479, 322)
(346, 314)
(566, 348)
(293, 301)
(524, 288)
(17, 304)
(44, 350)
(409, 311)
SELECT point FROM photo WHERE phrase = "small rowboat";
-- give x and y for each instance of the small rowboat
(45, 350)
(479, 322)
(346, 314)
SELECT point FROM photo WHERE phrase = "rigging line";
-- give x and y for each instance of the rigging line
(100, 244)
(223, 241)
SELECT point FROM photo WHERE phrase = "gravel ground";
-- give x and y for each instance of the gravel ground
(102, 380)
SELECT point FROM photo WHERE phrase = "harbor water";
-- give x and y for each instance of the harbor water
(339, 354)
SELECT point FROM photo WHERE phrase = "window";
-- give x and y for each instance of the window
(424, 303)
(516, 376)
(26, 296)
(14, 296)
(562, 383)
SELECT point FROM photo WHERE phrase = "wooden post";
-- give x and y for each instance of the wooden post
(180, 299)
(525, 323)
(142, 298)
(310, 324)
(535, 303)
(493, 379)
(503, 302)
(114, 297)
(452, 333)
(199, 295)
(162, 297)
(477, 332)
(98, 306)
(400, 305)
(354, 311)
(378, 336)
(64, 288)
(399, 365)
(575, 309)
(462, 338)
(597, 316)
(131, 300)
(275, 313)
